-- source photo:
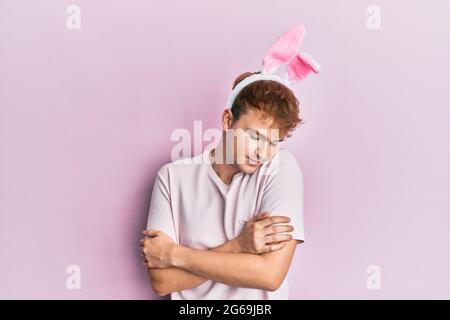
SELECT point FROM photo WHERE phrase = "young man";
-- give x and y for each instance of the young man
(229, 229)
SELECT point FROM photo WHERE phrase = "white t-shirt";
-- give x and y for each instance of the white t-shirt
(193, 206)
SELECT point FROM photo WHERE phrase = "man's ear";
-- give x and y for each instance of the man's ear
(227, 119)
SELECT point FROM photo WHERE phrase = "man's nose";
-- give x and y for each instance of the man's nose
(262, 154)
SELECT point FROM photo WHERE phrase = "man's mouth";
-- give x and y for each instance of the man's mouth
(253, 162)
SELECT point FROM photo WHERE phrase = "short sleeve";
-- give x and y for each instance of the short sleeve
(283, 195)
(160, 215)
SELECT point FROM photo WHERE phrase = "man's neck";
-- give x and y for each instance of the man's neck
(223, 170)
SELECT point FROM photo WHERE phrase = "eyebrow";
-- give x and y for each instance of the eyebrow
(264, 137)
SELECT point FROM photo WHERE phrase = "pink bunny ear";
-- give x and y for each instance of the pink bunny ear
(301, 66)
(283, 49)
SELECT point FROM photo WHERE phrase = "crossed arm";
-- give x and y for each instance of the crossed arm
(172, 279)
(189, 268)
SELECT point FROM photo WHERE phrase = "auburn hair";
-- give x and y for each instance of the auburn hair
(273, 98)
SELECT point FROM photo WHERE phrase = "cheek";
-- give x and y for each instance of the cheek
(252, 147)
(242, 144)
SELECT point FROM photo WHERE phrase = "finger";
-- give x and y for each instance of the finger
(145, 242)
(261, 216)
(274, 247)
(278, 229)
(277, 237)
(274, 220)
(143, 250)
(142, 244)
(151, 233)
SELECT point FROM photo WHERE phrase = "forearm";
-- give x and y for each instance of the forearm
(235, 269)
(172, 279)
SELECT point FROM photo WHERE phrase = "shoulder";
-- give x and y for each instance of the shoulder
(283, 173)
(287, 158)
(284, 160)
(181, 165)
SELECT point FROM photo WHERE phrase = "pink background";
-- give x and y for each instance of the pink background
(86, 118)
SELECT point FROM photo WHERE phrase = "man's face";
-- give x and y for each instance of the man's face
(256, 138)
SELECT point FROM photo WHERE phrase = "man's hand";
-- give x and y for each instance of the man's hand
(260, 235)
(156, 249)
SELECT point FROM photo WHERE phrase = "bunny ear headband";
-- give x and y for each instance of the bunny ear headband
(282, 63)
